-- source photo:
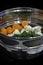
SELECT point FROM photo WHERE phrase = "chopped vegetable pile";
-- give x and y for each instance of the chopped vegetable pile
(22, 30)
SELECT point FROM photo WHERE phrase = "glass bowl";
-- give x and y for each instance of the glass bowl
(17, 15)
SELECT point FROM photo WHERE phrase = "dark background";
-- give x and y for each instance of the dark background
(22, 3)
(5, 55)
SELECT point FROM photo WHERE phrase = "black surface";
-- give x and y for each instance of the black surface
(16, 3)
(7, 56)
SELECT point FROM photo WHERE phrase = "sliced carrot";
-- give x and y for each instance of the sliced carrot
(20, 27)
(13, 28)
(3, 31)
(17, 26)
(9, 30)
(24, 23)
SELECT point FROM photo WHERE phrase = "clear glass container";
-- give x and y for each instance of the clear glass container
(17, 15)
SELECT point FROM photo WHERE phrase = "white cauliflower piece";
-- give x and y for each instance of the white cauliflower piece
(39, 33)
(36, 29)
(27, 28)
(22, 30)
(16, 31)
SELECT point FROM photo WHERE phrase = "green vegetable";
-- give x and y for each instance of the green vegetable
(32, 34)
(25, 34)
